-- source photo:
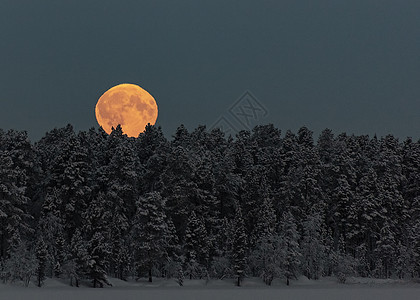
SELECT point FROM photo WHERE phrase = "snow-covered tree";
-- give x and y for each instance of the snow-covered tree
(206, 204)
(41, 257)
(96, 234)
(266, 258)
(51, 230)
(21, 264)
(118, 182)
(14, 214)
(76, 265)
(289, 243)
(196, 247)
(239, 246)
(386, 250)
(263, 257)
(312, 246)
(151, 235)
(98, 251)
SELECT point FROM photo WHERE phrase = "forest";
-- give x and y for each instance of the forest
(86, 206)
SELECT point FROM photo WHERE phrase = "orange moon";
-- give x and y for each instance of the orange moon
(127, 105)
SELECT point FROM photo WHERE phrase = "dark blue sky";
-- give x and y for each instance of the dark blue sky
(350, 66)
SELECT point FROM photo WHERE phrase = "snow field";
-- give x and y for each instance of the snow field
(303, 289)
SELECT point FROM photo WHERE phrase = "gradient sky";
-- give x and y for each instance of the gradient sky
(350, 66)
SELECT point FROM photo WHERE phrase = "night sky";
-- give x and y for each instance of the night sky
(350, 66)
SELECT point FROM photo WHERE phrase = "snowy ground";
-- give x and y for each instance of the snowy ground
(326, 288)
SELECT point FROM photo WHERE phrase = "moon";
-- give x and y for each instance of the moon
(127, 105)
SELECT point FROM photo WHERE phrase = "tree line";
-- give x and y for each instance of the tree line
(88, 205)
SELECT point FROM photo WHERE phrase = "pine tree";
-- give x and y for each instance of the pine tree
(410, 169)
(96, 235)
(312, 246)
(178, 186)
(76, 266)
(66, 172)
(266, 218)
(152, 149)
(300, 187)
(14, 167)
(289, 240)
(414, 249)
(206, 204)
(344, 264)
(254, 189)
(342, 197)
(51, 230)
(227, 182)
(21, 264)
(181, 137)
(151, 234)
(119, 183)
(98, 250)
(172, 264)
(368, 215)
(386, 250)
(402, 264)
(262, 259)
(196, 247)
(41, 256)
(239, 246)
(266, 257)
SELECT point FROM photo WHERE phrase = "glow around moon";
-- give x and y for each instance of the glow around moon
(128, 105)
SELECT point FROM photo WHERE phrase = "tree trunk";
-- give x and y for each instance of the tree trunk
(150, 275)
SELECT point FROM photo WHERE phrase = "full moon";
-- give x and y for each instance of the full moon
(127, 105)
